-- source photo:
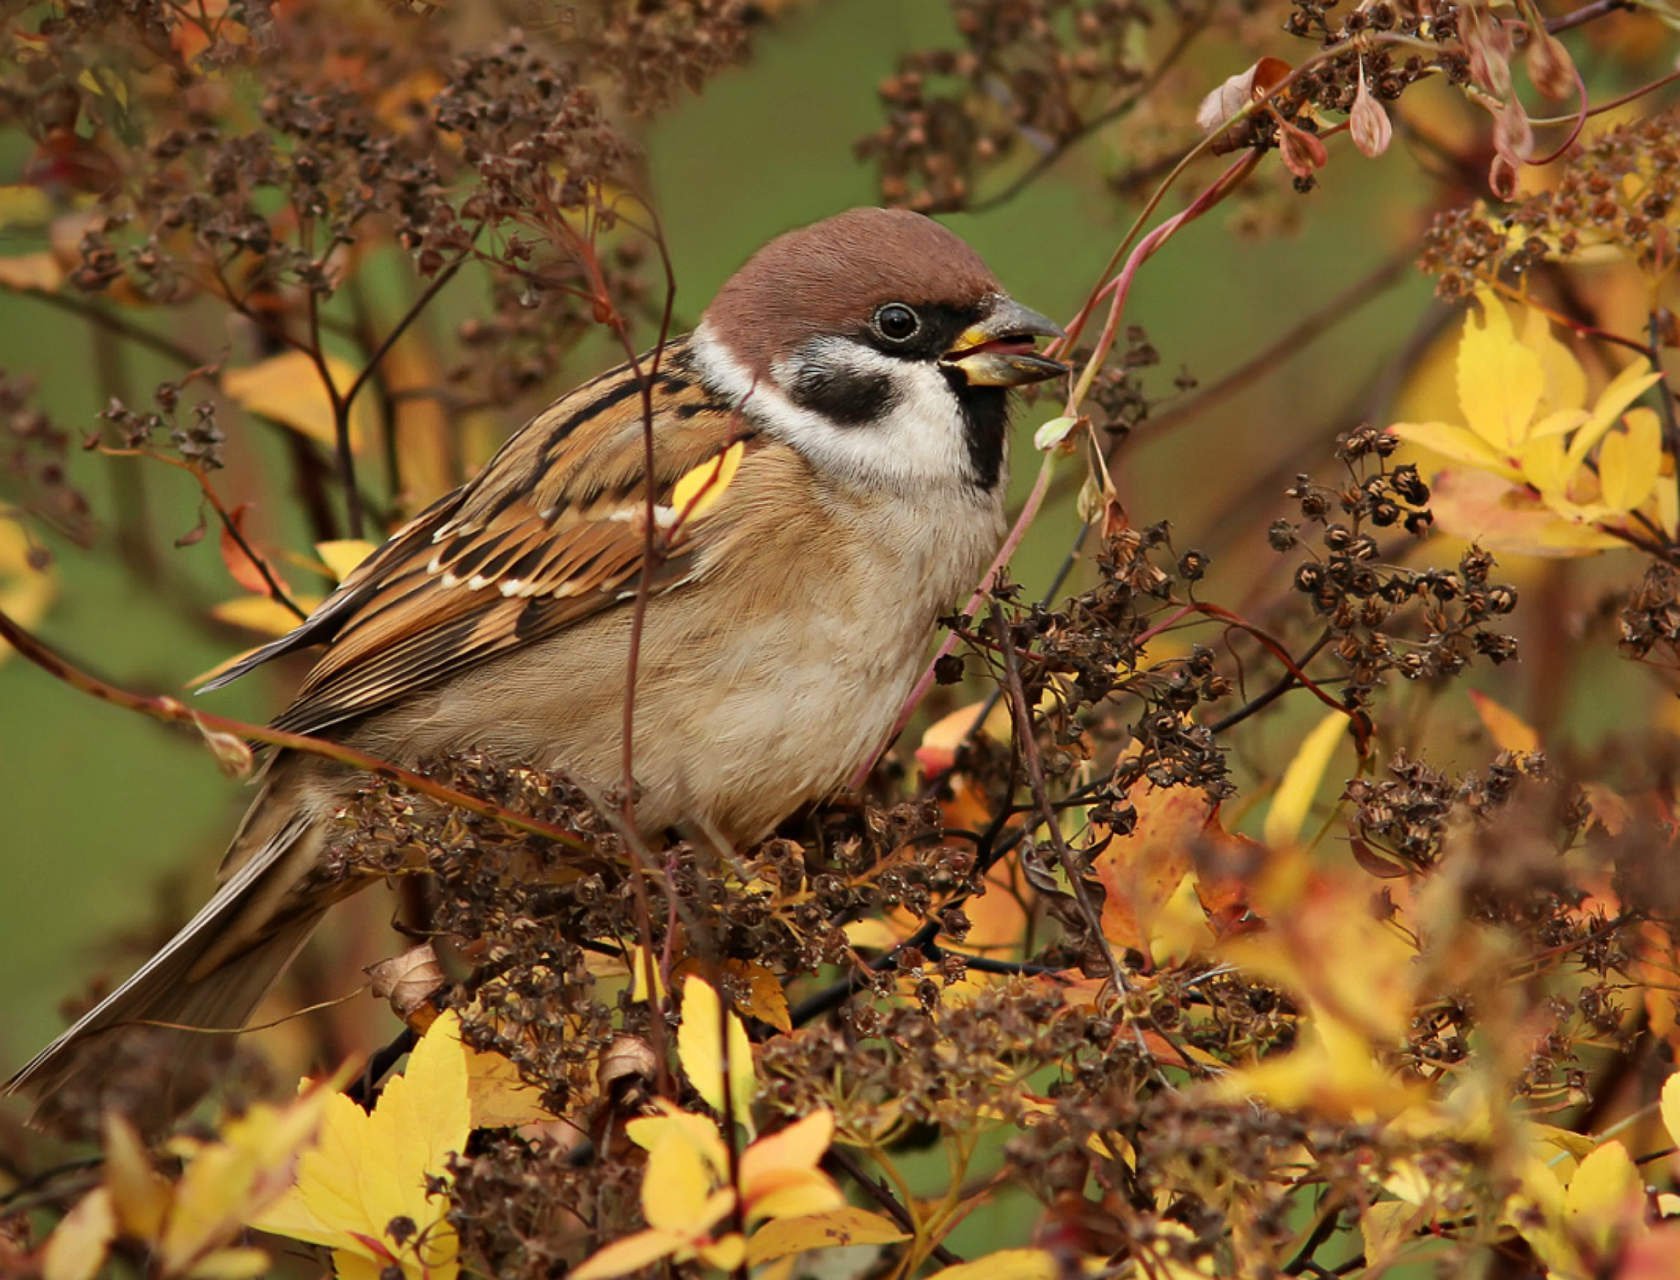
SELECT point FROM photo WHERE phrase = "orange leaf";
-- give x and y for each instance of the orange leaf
(245, 567)
(1509, 731)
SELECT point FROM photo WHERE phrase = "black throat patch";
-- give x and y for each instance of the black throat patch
(985, 412)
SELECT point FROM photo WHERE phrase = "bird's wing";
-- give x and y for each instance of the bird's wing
(552, 531)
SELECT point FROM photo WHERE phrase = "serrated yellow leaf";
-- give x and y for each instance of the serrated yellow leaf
(1456, 443)
(368, 1169)
(77, 1247)
(343, 555)
(1509, 731)
(1500, 381)
(705, 1029)
(1630, 461)
(833, 1229)
(288, 388)
(1299, 785)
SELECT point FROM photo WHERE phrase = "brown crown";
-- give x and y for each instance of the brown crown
(830, 276)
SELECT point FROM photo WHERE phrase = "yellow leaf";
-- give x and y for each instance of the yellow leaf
(765, 999)
(1671, 1107)
(700, 487)
(677, 1190)
(787, 1162)
(834, 1229)
(641, 964)
(1503, 517)
(632, 1253)
(25, 592)
(1605, 1196)
(1006, 1264)
(262, 614)
(1509, 731)
(1626, 387)
(288, 388)
(31, 272)
(227, 1181)
(139, 1194)
(24, 204)
(232, 1264)
(1385, 1227)
(342, 556)
(367, 1170)
(647, 1132)
(1630, 461)
(1299, 785)
(1500, 381)
(1565, 381)
(724, 1254)
(1457, 443)
(1331, 1072)
(77, 1246)
(700, 1047)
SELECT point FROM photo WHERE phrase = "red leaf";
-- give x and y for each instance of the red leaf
(243, 566)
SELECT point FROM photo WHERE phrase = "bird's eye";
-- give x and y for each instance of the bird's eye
(897, 322)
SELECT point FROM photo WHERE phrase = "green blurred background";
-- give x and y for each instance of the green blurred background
(104, 811)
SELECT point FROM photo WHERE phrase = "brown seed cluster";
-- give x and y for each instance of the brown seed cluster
(1616, 198)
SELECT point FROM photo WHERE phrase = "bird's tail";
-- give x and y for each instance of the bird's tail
(137, 1050)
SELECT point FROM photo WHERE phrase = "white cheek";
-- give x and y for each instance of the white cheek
(921, 443)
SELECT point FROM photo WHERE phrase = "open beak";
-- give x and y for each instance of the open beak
(999, 351)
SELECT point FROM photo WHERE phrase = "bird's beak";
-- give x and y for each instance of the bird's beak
(999, 351)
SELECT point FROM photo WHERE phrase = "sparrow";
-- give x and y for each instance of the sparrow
(829, 449)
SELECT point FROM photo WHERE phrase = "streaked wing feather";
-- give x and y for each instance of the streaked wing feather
(552, 531)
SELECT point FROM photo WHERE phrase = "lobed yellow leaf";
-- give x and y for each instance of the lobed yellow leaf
(368, 1169)
(1299, 786)
(833, 1229)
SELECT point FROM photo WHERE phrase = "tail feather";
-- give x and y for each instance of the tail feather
(210, 975)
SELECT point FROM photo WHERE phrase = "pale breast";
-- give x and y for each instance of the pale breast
(759, 687)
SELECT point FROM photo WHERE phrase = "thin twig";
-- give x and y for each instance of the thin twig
(1024, 735)
(173, 711)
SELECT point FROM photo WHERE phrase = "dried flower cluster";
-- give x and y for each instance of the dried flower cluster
(1187, 942)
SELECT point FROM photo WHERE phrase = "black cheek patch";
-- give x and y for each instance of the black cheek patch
(849, 397)
(985, 412)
